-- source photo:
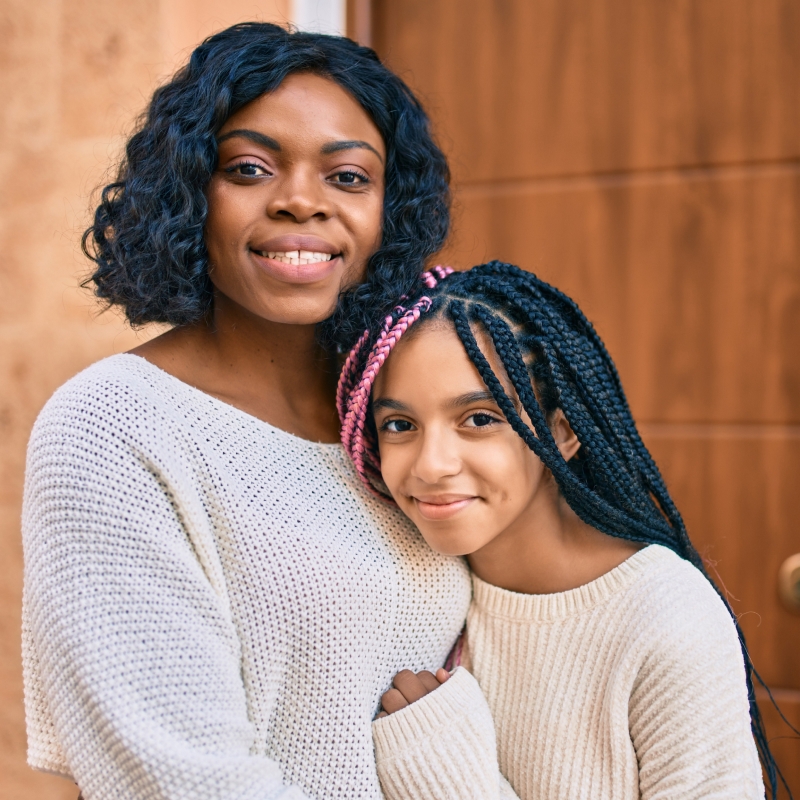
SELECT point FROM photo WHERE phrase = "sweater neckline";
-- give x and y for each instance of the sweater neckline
(148, 366)
(560, 605)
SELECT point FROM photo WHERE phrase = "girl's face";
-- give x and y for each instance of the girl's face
(449, 458)
(295, 204)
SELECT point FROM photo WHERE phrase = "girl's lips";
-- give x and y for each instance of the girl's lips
(297, 273)
(437, 511)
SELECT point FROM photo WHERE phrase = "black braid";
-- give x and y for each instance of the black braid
(555, 359)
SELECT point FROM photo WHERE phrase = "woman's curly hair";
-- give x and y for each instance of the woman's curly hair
(147, 237)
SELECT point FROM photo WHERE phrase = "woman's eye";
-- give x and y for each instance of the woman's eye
(247, 170)
(350, 178)
(397, 426)
(480, 420)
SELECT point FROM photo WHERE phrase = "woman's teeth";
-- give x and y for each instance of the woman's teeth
(297, 257)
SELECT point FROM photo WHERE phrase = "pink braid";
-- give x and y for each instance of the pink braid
(353, 392)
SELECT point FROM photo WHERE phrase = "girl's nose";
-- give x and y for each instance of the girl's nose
(299, 194)
(437, 458)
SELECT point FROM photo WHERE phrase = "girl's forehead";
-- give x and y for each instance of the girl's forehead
(431, 359)
(431, 356)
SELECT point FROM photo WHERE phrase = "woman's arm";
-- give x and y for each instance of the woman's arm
(441, 745)
(132, 664)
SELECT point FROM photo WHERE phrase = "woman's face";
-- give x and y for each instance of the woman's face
(451, 461)
(295, 205)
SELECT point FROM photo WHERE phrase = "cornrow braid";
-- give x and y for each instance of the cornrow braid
(554, 359)
(358, 374)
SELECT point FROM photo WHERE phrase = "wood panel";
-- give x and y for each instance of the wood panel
(737, 491)
(691, 278)
(784, 742)
(553, 87)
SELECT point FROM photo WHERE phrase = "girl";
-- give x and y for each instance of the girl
(610, 663)
(202, 561)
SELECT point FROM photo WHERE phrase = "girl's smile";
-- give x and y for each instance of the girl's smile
(442, 506)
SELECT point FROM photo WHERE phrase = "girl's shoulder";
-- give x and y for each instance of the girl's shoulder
(667, 579)
(674, 602)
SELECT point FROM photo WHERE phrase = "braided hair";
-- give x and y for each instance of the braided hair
(554, 359)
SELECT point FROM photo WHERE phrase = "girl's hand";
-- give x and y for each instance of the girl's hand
(410, 687)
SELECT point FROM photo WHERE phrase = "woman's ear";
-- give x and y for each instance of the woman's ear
(563, 434)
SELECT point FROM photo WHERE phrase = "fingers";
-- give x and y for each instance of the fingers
(428, 681)
(410, 685)
(392, 701)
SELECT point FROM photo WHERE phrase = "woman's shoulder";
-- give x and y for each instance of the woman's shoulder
(111, 397)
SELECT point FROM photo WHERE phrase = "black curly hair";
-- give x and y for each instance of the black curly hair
(147, 236)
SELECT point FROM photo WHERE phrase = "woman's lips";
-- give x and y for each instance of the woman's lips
(296, 273)
(442, 508)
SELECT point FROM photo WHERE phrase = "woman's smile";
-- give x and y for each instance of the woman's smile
(297, 259)
(288, 268)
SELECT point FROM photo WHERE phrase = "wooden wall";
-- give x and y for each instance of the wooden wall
(73, 74)
(645, 158)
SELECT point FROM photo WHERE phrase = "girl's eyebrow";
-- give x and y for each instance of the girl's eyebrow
(456, 402)
(387, 402)
(471, 397)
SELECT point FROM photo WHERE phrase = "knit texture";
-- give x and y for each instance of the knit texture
(212, 607)
(442, 747)
(629, 687)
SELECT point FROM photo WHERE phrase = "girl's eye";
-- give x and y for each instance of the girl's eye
(480, 420)
(247, 169)
(397, 426)
(350, 178)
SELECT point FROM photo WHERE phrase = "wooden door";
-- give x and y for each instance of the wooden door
(645, 157)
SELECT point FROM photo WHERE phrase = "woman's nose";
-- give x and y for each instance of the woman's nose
(299, 194)
(437, 457)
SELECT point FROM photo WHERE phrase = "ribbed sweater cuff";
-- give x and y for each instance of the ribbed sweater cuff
(443, 708)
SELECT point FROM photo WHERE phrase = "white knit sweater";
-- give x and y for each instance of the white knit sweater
(631, 686)
(212, 606)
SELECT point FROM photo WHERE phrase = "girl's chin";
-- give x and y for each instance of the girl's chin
(453, 544)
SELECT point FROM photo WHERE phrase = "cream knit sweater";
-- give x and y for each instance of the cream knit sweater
(212, 606)
(632, 686)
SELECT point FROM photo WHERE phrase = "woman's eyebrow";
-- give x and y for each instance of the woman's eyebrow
(253, 136)
(349, 144)
(387, 402)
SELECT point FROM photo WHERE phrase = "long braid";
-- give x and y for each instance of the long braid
(554, 359)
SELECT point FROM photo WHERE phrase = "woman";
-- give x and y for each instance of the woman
(213, 602)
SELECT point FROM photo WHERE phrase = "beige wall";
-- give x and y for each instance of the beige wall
(73, 74)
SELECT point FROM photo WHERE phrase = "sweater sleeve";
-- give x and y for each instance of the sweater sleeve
(441, 747)
(689, 713)
(132, 663)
